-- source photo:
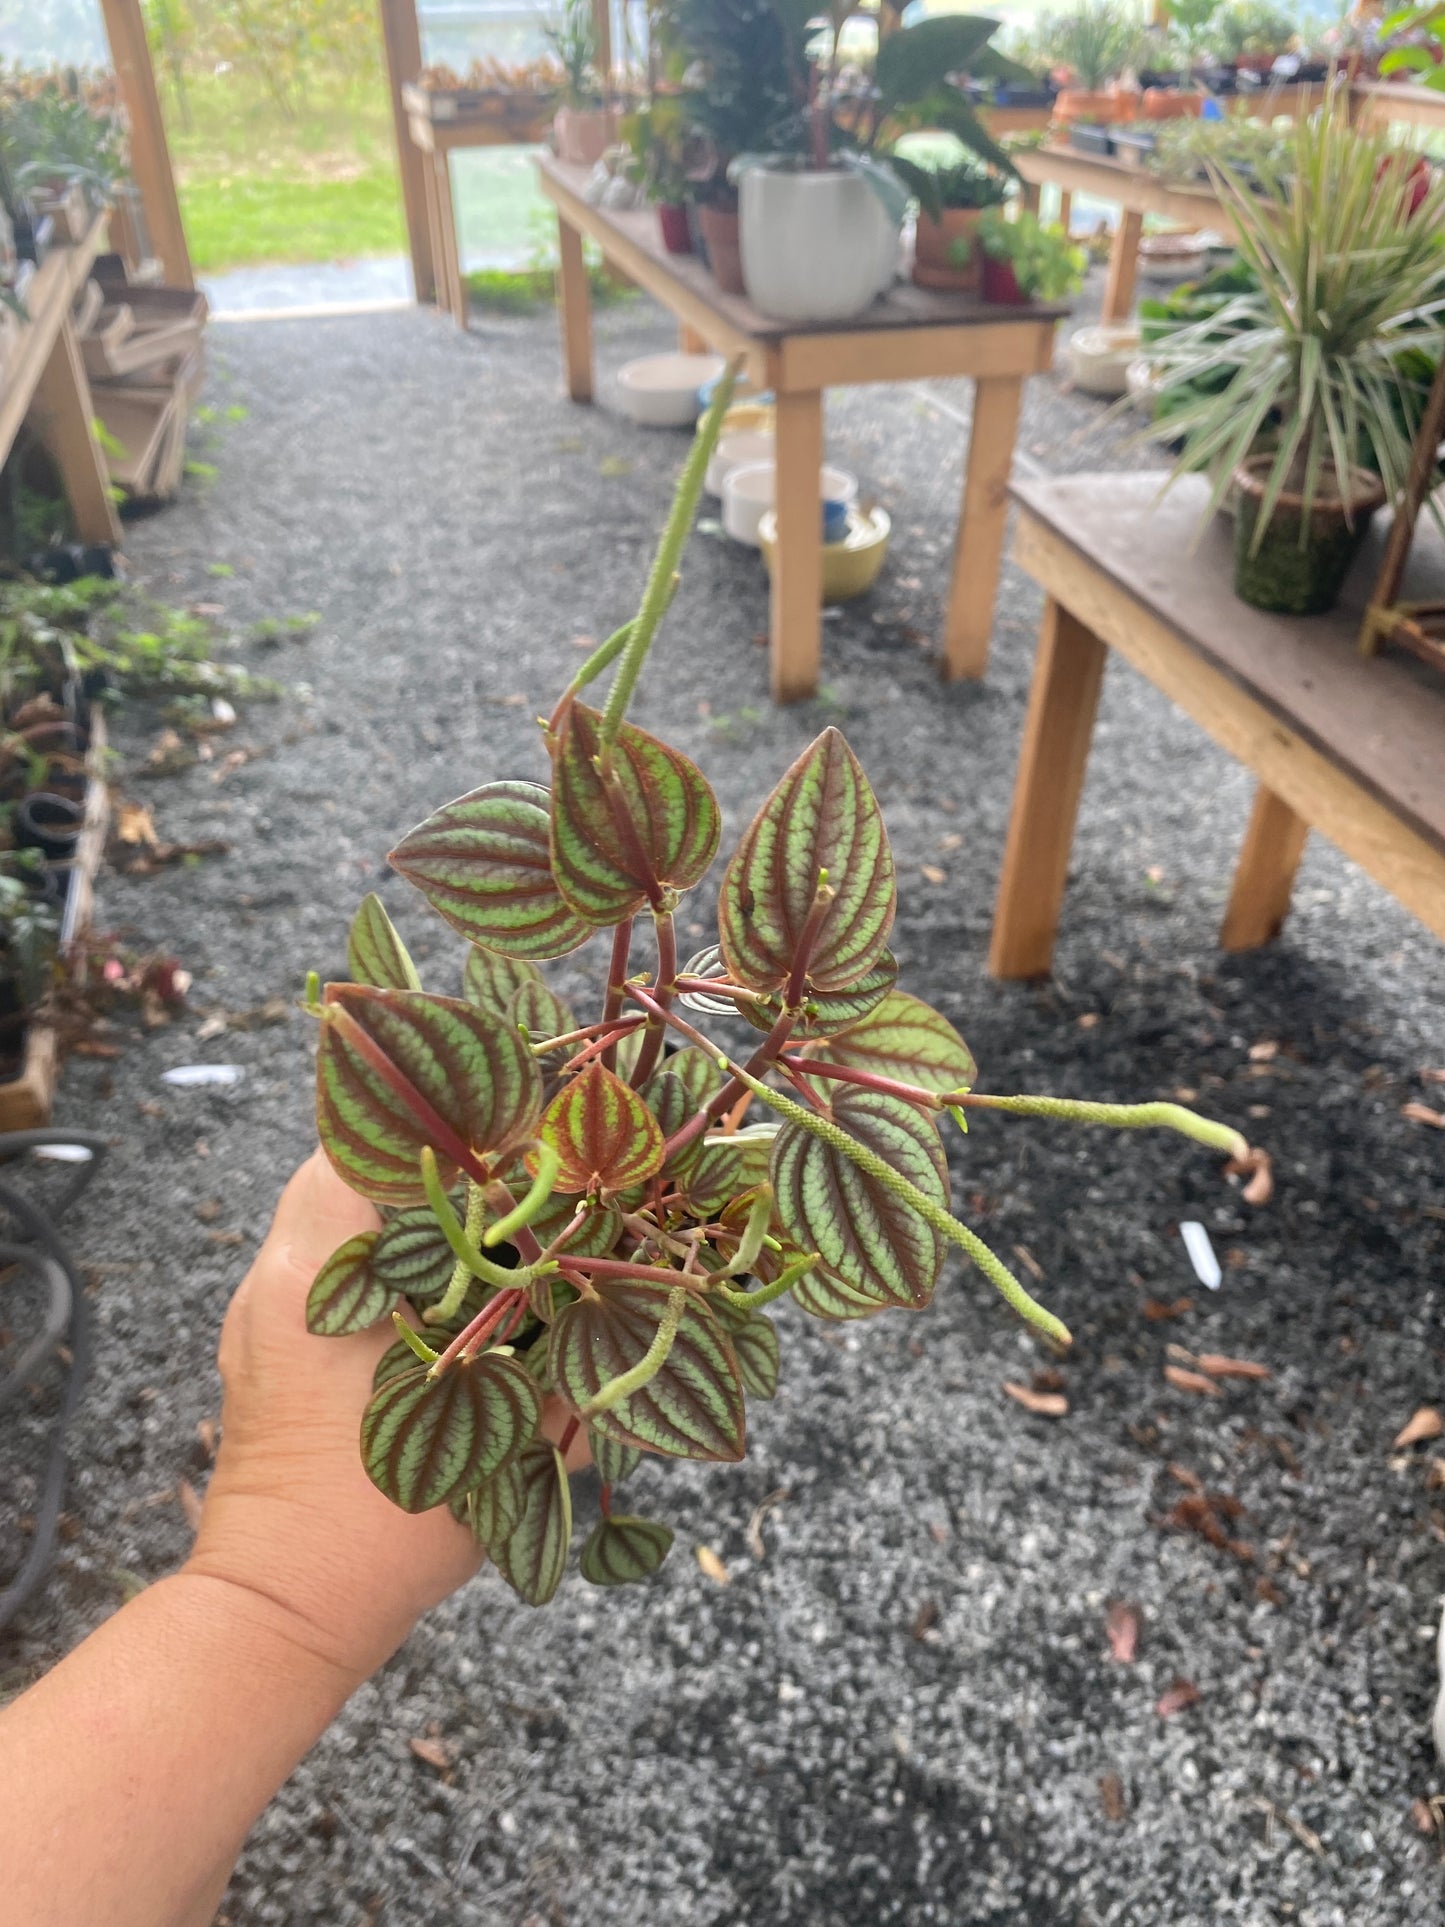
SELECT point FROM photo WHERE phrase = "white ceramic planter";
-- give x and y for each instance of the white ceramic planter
(747, 495)
(815, 246)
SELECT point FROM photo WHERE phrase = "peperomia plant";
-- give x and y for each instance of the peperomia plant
(600, 1212)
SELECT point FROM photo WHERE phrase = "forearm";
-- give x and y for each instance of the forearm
(131, 1774)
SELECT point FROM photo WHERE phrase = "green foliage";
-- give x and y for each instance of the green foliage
(1046, 264)
(51, 132)
(615, 1234)
(959, 184)
(572, 36)
(1097, 40)
(1251, 27)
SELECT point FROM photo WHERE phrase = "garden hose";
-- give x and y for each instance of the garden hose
(66, 1322)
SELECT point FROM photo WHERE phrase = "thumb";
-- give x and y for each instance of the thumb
(317, 1212)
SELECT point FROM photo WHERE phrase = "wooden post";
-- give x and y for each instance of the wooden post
(574, 303)
(1123, 266)
(63, 401)
(796, 619)
(978, 545)
(401, 40)
(1060, 721)
(150, 157)
(602, 28)
(1424, 459)
(1066, 209)
(1264, 875)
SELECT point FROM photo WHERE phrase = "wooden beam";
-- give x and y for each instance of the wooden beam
(150, 156)
(1264, 875)
(401, 40)
(978, 545)
(1123, 265)
(62, 401)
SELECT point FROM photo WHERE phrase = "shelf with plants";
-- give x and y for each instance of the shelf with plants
(513, 104)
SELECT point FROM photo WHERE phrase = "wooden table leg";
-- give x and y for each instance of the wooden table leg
(797, 596)
(1029, 195)
(1066, 209)
(456, 287)
(978, 546)
(574, 299)
(63, 399)
(1264, 874)
(689, 341)
(1123, 266)
(1055, 749)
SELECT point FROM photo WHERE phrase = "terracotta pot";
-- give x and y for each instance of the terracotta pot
(724, 250)
(676, 234)
(933, 266)
(1168, 103)
(584, 134)
(1000, 284)
(1295, 570)
(1113, 103)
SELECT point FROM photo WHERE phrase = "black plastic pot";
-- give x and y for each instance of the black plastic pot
(1090, 139)
(1220, 80)
(50, 823)
(69, 561)
(1040, 96)
(1135, 147)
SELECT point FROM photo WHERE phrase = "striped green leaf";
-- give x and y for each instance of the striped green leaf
(494, 1508)
(692, 1409)
(646, 835)
(492, 980)
(533, 1556)
(614, 1462)
(597, 1236)
(346, 1295)
(540, 1012)
(604, 1134)
(677, 1090)
(728, 1167)
(755, 1346)
(822, 817)
(413, 1257)
(827, 1012)
(422, 1439)
(483, 864)
(400, 1069)
(620, 1550)
(871, 1240)
(904, 1038)
(823, 1294)
(375, 954)
(399, 1356)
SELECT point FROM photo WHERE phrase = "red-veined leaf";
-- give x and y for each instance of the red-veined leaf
(824, 1295)
(346, 1295)
(533, 1556)
(604, 1134)
(413, 1257)
(540, 1012)
(599, 1230)
(692, 1409)
(873, 1241)
(906, 1039)
(644, 837)
(494, 1508)
(728, 1167)
(422, 1439)
(755, 1346)
(823, 816)
(827, 1012)
(375, 954)
(621, 1550)
(483, 864)
(492, 980)
(399, 1069)
(614, 1462)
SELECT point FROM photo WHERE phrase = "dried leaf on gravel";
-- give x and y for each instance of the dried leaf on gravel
(713, 1567)
(1030, 1263)
(1218, 1366)
(1260, 1187)
(433, 1753)
(1042, 1404)
(1433, 1076)
(1422, 1114)
(1264, 1052)
(1121, 1629)
(761, 1510)
(1111, 1798)
(924, 1619)
(1422, 1815)
(1426, 1423)
(1182, 1475)
(133, 822)
(1176, 1698)
(931, 873)
(190, 1503)
(1155, 1310)
(1187, 1381)
(1209, 1515)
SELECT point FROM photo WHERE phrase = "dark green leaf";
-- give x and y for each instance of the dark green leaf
(422, 1439)
(827, 1012)
(492, 980)
(692, 1409)
(483, 863)
(614, 1462)
(533, 1556)
(823, 816)
(397, 1070)
(494, 1508)
(597, 1236)
(648, 833)
(755, 1345)
(621, 1550)
(375, 954)
(413, 1257)
(604, 1134)
(540, 1013)
(677, 1090)
(903, 1038)
(346, 1294)
(397, 1358)
(913, 61)
(873, 1241)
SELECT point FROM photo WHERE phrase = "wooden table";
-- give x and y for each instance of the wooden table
(43, 370)
(1379, 103)
(1351, 746)
(908, 335)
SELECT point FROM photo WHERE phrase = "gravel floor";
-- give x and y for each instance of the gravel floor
(906, 1712)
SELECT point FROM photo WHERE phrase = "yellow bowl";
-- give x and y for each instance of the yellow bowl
(749, 418)
(850, 567)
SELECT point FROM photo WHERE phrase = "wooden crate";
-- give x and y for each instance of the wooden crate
(523, 118)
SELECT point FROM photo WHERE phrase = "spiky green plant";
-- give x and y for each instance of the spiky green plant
(1097, 41)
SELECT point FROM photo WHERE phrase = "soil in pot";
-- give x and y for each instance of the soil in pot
(724, 250)
(1287, 576)
(676, 229)
(933, 263)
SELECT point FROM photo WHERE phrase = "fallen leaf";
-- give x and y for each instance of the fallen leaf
(713, 1567)
(924, 1619)
(1185, 1381)
(1268, 1591)
(208, 1432)
(226, 1237)
(1184, 1094)
(1260, 1188)
(209, 1210)
(1422, 1815)
(1111, 1798)
(932, 874)
(169, 753)
(433, 1753)
(133, 823)
(1183, 1476)
(213, 1027)
(1090, 1020)
(584, 642)
(190, 1503)
(754, 1534)
(1433, 1076)
(1435, 1475)
(1263, 1052)
(1426, 1423)
(1030, 1263)
(951, 840)
(1156, 1310)
(1422, 1114)
(1043, 1404)
(1121, 1628)
(938, 1533)
(1047, 1380)
(1174, 1699)
(1218, 1366)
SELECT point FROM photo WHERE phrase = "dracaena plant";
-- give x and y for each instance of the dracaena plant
(599, 1212)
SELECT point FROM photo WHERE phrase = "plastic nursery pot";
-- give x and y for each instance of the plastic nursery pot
(1284, 574)
(584, 134)
(1001, 284)
(933, 266)
(1167, 103)
(49, 823)
(724, 254)
(1091, 137)
(676, 230)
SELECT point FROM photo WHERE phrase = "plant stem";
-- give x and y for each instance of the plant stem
(585, 1033)
(1123, 1117)
(659, 590)
(784, 1282)
(664, 987)
(616, 986)
(499, 1277)
(622, 1268)
(490, 1316)
(450, 1301)
(868, 1080)
(762, 1059)
(521, 1215)
(648, 1366)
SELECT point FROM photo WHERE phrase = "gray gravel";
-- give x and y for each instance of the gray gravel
(905, 1711)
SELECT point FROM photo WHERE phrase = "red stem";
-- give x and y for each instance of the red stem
(870, 1081)
(665, 986)
(587, 1031)
(570, 1432)
(490, 1316)
(616, 981)
(823, 900)
(623, 1268)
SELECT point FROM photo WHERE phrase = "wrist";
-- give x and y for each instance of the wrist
(263, 1632)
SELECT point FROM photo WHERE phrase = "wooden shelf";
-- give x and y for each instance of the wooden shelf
(48, 299)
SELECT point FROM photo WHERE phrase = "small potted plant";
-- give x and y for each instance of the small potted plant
(656, 136)
(1325, 360)
(584, 125)
(1250, 35)
(951, 200)
(1023, 260)
(1094, 45)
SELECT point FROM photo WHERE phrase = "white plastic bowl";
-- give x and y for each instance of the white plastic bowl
(748, 494)
(1100, 359)
(660, 391)
(743, 448)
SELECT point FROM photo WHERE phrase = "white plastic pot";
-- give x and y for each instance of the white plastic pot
(747, 495)
(1100, 359)
(660, 391)
(815, 246)
(744, 448)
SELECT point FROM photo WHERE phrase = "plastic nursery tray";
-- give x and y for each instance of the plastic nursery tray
(1089, 139)
(1134, 149)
